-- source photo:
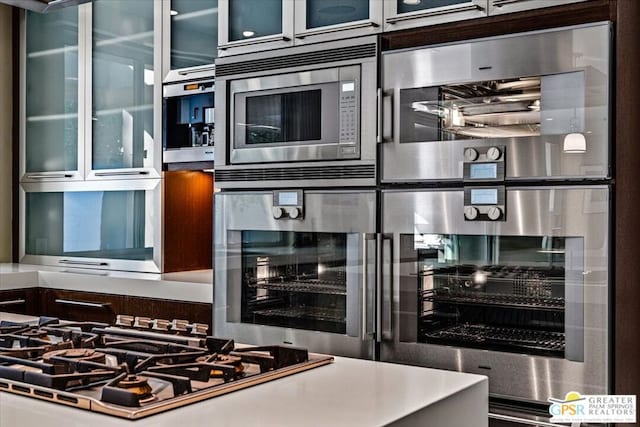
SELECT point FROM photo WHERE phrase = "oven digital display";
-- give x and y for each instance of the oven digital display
(483, 171)
(484, 196)
(288, 198)
(348, 87)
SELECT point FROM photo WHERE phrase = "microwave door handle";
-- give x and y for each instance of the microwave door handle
(384, 289)
(385, 122)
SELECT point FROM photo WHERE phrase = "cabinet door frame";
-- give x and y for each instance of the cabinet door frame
(256, 44)
(364, 27)
(51, 176)
(155, 170)
(500, 7)
(399, 21)
(154, 186)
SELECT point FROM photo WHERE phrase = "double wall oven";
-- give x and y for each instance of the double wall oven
(306, 114)
(495, 210)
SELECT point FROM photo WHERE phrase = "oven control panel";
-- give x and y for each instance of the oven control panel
(348, 118)
(484, 164)
(288, 204)
(485, 204)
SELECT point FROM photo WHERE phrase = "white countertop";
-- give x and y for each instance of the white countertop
(194, 286)
(348, 392)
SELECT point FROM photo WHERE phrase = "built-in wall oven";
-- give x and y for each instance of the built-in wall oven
(522, 299)
(307, 113)
(297, 267)
(540, 100)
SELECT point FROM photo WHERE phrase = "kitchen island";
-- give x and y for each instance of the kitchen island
(348, 392)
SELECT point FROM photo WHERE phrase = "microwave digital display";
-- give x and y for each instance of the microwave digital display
(484, 196)
(483, 171)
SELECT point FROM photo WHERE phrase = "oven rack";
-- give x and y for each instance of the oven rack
(314, 313)
(493, 299)
(483, 335)
(305, 286)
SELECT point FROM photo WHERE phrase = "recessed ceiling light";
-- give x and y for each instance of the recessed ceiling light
(248, 33)
(411, 2)
(174, 12)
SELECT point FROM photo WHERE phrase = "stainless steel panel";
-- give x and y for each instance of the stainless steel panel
(583, 49)
(535, 211)
(436, 15)
(188, 154)
(348, 212)
(497, 7)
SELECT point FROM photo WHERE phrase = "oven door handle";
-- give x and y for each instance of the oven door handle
(368, 285)
(385, 116)
(384, 295)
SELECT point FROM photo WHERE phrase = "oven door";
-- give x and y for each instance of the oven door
(302, 116)
(522, 299)
(541, 98)
(297, 268)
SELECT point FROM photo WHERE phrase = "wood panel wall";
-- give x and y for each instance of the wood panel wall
(188, 220)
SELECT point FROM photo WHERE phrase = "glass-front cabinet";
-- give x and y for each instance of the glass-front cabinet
(113, 225)
(401, 14)
(190, 38)
(123, 127)
(52, 97)
(259, 25)
(497, 7)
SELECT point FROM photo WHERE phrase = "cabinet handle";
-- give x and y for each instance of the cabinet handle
(500, 3)
(356, 26)
(240, 43)
(197, 70)
(91, 263)
(428, 14)
(12, 302)
(386, 121)
(123, 173)
(48, 175)
(82, 303)
(86, 272)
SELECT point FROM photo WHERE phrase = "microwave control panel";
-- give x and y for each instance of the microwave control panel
(348, 118)
(484, 164)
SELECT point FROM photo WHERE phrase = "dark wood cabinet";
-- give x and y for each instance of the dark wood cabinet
(20, 301)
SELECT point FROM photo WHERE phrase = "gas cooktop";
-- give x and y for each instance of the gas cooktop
(137, 368)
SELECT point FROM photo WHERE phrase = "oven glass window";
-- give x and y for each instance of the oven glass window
(505, 293)
(508, 108)
(321, 13)
(295, 279)
(284, 117)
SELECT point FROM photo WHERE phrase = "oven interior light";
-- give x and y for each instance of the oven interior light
(479, 277)
(174, 12)
(248, 33)
(574, 143)
(411, 2)
(321, 268)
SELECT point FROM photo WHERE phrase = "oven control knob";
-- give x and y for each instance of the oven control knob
(471, 154)
(160, 325)
(470, 213)
(494, 213)
(277, 212)
(294, 213)
(494, 153)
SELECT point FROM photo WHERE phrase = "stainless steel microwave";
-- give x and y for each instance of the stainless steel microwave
(286, 118)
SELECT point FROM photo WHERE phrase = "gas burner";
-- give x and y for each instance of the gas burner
(75, 354)
(36, 333)
(139, 386)
(223, 359)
